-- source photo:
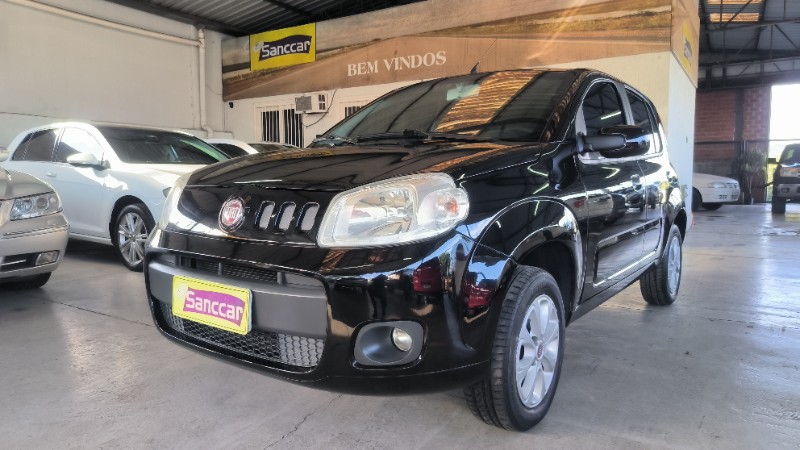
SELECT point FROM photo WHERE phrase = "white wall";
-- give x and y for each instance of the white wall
(58, 68)
(242, 122)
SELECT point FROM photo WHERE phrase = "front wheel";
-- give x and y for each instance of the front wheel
(778, 205)
(131, 228)
(526, 356)
(660, 283)
(712, 206)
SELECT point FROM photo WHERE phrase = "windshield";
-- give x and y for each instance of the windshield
(791, 155)
(141, 146)
(509, 106)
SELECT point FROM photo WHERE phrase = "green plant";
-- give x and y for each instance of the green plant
(750, 166)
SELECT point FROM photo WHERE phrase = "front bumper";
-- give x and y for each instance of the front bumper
(789, 191)
(721, 195)
(312, 308)
(23, 241)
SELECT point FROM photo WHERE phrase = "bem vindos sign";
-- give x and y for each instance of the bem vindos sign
(284, 47)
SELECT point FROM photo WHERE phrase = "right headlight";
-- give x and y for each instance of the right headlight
(170, 211)
(716, 184)
(395, 211)
(35, 206)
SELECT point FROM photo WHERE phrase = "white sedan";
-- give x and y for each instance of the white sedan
(112, 180)
(235, 147)
(712, 191)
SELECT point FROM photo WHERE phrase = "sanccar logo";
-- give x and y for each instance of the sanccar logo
(231, 215)
(289, 45)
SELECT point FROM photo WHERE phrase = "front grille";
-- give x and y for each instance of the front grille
(229, 270)
(257, 346)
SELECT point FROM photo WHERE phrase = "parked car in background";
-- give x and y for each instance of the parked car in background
(712, 191)
(441, 237)
(33, 230)
(235, 147)
(786, 179)
(112, 179)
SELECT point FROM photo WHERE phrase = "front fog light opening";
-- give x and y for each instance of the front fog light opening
(46, 258)
(389, 343)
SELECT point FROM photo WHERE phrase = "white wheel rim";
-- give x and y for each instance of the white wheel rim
(537, 351)
(132, 234)
(673, 266)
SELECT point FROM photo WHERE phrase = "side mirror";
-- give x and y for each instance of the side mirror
(3, 154)
(86, 160)
(617, 142)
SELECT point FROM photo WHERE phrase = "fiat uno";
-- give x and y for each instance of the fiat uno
(442, 237)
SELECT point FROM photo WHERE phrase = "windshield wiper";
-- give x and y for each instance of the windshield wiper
(332, 140)
(418, 135)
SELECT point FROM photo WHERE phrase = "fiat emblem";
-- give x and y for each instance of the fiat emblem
(231, 215)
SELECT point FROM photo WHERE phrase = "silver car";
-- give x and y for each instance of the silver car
(33, 230)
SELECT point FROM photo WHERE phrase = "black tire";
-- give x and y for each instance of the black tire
(778, 205)
(660, 283)
(33, 282)
(697, 199)
(497, 399)
(131, 227)
(712, 206)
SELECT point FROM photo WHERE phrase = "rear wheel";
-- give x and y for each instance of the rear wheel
(131, 228)
(660, 283)
(526, 357)
(778, 205)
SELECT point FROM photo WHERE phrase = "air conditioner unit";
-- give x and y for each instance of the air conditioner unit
(312, 103)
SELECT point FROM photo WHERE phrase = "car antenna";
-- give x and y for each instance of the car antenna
(474, 69)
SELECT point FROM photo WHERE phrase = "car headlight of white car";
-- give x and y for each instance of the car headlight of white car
(396, 211)
(35, 206)
(716, 185)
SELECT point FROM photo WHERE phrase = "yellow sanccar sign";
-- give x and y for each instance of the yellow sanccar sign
(284, 47)
(213, 304)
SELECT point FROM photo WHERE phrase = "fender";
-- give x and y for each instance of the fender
(510, 239)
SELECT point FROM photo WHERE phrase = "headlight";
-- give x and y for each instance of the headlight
(171, 203)
(716, 184)
(392, 212)
(35, 206)
(789, 171)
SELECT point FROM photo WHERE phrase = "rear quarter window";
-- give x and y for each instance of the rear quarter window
(37, 146)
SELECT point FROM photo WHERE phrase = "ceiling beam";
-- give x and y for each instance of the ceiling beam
(299, 11)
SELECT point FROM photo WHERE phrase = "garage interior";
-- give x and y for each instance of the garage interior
(84, 367)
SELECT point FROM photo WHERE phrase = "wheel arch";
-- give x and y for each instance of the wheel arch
(122, 202)
(547, 237)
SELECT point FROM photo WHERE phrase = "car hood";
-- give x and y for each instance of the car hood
(343, 167)
(703, 178)
(16, 184)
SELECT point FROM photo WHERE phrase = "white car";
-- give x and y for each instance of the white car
(33, 230)
(712, 191)
(235, 147)
(112, 180)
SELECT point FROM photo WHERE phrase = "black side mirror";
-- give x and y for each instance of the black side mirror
(616, 142)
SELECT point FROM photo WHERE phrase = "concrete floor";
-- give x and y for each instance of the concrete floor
(81, 366)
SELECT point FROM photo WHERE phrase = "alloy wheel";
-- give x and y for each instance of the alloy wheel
(537, 351)
(132, 234)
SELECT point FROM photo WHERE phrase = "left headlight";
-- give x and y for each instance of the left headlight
(35, 206)
(716, 184)
(395, 211)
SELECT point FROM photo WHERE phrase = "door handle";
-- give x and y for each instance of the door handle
(51, 174)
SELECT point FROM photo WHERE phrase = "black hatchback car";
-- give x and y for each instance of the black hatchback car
(441, 237)
(786, 179)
